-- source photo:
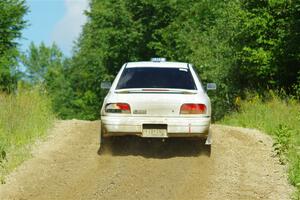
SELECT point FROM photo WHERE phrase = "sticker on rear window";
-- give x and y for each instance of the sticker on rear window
(183, 69)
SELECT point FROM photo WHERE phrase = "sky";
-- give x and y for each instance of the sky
(58, 21)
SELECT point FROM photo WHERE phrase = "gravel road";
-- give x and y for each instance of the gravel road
(240, 165)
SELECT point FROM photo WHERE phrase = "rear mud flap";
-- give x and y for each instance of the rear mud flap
(209, 138)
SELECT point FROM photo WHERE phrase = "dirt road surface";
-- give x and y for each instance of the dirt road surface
(240, 165)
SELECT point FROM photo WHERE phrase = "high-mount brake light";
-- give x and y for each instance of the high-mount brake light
(190, 108)
(118, 108)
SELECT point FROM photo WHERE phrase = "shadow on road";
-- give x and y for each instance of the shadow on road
(154, 148)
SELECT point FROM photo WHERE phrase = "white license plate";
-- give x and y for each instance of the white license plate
(155, 133)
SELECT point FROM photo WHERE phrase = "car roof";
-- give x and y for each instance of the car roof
(157, 64)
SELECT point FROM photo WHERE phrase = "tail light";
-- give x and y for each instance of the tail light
(118, 108)
(193, 109)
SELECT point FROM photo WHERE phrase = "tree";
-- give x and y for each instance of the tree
(41, 62)
(240, 45)
(267, 45)
(109, 39)
(202, 34)
(127, 30)
(11, 24)
(47, 66)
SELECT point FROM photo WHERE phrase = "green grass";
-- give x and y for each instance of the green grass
(24, 117)
(281, 119)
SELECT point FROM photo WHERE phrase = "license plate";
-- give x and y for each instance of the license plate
(155, 133)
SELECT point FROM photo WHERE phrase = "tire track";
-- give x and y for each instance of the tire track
(240, 165)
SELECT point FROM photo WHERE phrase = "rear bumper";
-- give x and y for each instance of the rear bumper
(176, 126)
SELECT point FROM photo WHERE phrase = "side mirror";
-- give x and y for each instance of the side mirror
(105, 85)
(211, 86)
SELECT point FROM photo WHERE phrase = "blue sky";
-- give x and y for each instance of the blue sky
(58, 21)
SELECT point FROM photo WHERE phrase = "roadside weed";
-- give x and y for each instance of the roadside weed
(281, 119)
(282, 142)
(24, 117)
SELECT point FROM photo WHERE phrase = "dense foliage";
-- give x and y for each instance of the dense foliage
(11, 24)
(46, 67)
(241, 45)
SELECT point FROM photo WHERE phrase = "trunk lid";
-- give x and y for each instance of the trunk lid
(157, 102)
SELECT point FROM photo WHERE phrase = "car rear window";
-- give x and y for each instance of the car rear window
(153, 77)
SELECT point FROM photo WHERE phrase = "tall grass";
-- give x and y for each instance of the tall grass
(281, 119)
(24, 117)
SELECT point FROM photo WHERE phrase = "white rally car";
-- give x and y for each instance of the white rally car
(156, 99)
